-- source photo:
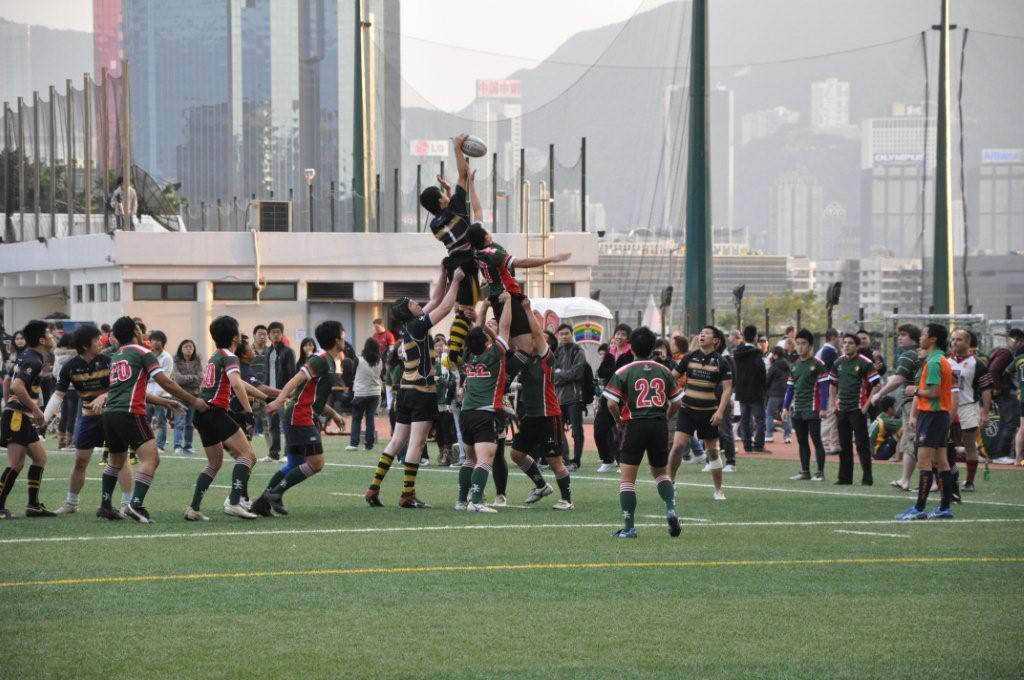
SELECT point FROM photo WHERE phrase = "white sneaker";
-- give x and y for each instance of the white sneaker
(536, 494)
(351, 448)
(461, 505)
(788, 440)
(706, 468)
(697, 460)
(729, 468)
(237, 510)
(178, 450)
(563, 505)
(500, 501)
(268, 459)
(769, 440)
(479, 507)
(425, 462)
(718, 495)
(245, 503)
(605, 467)
(195, 516)
(66, 509)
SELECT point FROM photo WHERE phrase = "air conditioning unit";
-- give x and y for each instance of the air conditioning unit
(271, 215)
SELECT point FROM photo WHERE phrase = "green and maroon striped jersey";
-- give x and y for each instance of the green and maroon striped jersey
(537, 397)
(485, 379)
(216, 387)
(643, 390)
(131, 367)
(320, 372)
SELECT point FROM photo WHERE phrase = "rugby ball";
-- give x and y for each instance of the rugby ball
(474, 147)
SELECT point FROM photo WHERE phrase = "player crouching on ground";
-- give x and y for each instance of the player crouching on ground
(481, 406)
(217, 429)
(299, 419)
(642, 397)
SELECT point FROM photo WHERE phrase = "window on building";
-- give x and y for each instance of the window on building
(412, 290)
(164, 291)
(247, 291)
(563, 289)
(78, 293)
(115, 292)
(90, 292)
(329, 290)
(103, 292)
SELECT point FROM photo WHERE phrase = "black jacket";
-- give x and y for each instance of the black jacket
(609, 365)
(569, 362)
(778, 374)
(750, 378)
(285, 364)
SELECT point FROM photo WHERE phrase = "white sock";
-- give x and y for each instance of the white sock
(126, 497)
(72, 498)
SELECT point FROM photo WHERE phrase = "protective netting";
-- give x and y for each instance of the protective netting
(62, 153)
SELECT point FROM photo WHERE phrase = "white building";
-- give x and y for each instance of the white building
(761, 124)
(178, 283)
(830, 104)
(802, 274)
(897, 139)
(796, 207)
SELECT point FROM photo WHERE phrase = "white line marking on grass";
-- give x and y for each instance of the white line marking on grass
(685, 519)
(342, 493)
(615, 480)
(64, 479)
(869, 533)
(477, 527)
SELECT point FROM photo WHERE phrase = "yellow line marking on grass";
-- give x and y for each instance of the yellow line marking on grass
(490, 568)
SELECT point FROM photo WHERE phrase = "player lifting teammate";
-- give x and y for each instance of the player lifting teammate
(450, 226)
(125, 425)
(21, 415)
(217, 429)
(484, 398)
(314, 380)
(540, 416)
(642, 397)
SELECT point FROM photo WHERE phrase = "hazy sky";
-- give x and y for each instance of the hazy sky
(72, 14)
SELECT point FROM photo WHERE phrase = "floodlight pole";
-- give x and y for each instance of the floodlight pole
(698, 190)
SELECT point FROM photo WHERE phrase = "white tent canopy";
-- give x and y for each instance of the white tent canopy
(571, 307)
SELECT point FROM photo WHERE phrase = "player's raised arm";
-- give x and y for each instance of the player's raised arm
(530, 262)
(437, 293)
(460, 160)
(448, 302)
(540, 343)
(474, 199)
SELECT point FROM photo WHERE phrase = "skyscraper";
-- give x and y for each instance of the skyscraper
(797, 207)
(107, 36)
(830, 104)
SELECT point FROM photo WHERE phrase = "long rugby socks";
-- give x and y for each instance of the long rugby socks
(294, 476)
(627, 501)
(500, 470)
(6, 482)
(35, 480)
(383, 465)
(457, 335)
(562, 478)
(529, 466)
(667, 492)
(142, 484)
(946, 488)
(924, 485)
(203, 482)
(108, 482)
(479, 481)
(240, 480)
(409, 480)
(465, 479)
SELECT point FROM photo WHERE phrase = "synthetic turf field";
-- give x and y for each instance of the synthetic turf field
(771, 582)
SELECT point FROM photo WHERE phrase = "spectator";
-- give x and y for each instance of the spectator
(159, 414)
(366, 388)
(778, 376)
(864, 343)
(680, 346)
(750, 382)
(107, 335)
(762, 347)
(619, 354)
(570, 362)
(385, 338)
(18, 345)
(188, 374)
(827, 355)
(444, 425)
(1004, 392)
(790, 334)
(280, 369)
(307, 348)
(124, 207)
(662, 353)
(258, 366)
